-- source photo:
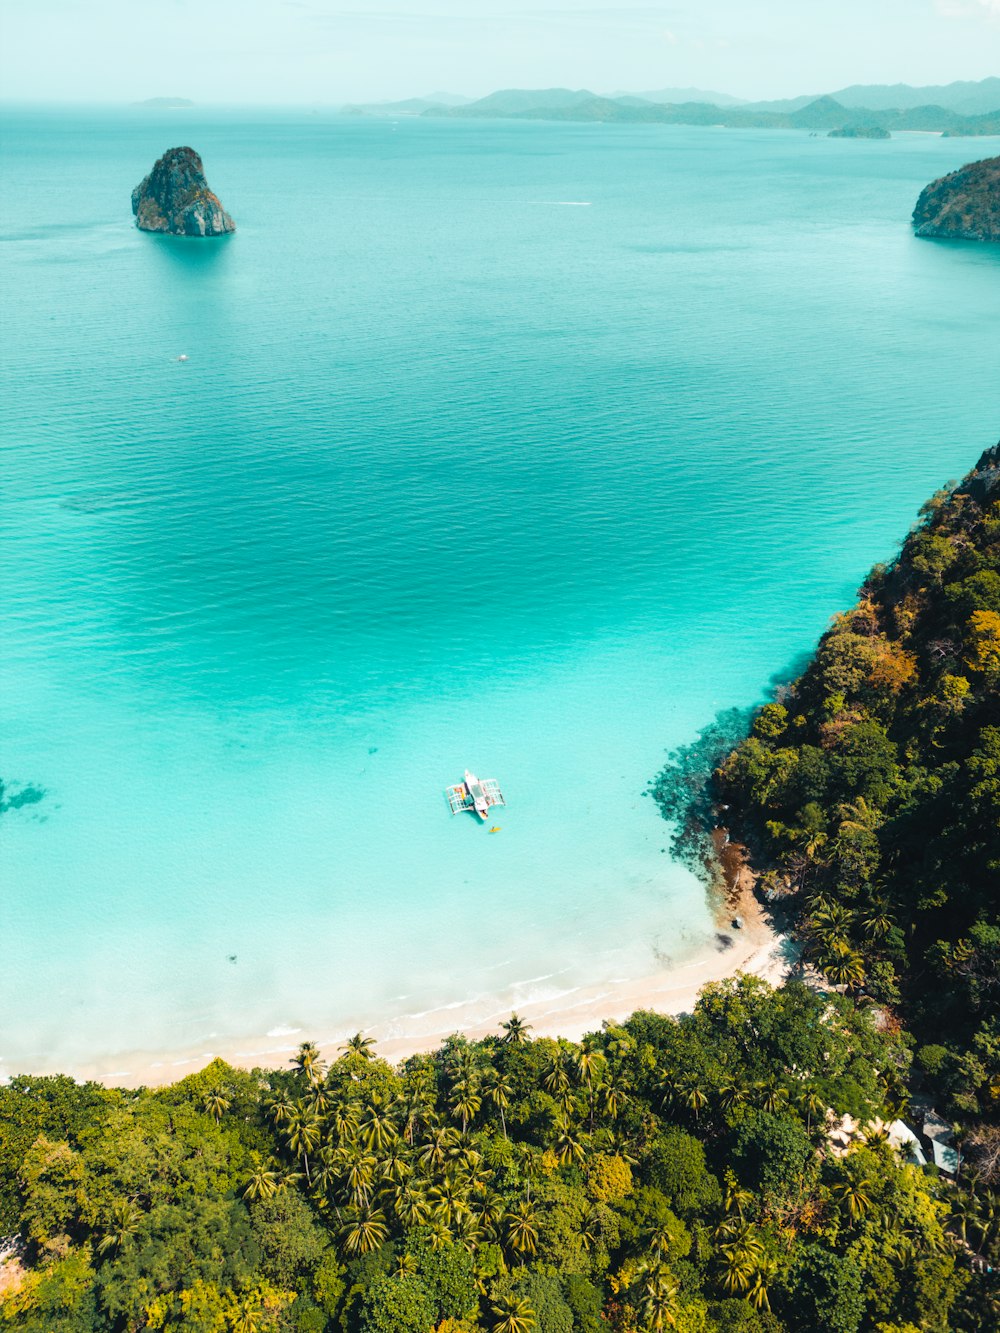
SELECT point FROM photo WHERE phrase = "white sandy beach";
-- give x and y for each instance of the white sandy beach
(757, 949)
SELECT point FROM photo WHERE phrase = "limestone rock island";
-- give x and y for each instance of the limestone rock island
(962, 206)
(175, 198)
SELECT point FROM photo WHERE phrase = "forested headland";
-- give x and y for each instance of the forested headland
(870, 794)
(665, 1173)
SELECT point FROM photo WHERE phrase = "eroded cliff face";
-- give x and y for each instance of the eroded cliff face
(962, 206)
(175, 198)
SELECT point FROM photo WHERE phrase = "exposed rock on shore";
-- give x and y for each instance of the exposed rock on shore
(962, 206)
(175, 198)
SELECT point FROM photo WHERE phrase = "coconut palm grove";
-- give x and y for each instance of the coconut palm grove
(734, 1170)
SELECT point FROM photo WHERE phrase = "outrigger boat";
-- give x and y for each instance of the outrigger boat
(475, 794)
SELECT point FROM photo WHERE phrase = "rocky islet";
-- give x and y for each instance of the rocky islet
(964, 205)
(175, 199)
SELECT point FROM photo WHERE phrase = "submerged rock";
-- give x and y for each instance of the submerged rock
(175, 198)
(962, 206)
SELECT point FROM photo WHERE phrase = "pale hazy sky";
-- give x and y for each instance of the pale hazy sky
(329, 51)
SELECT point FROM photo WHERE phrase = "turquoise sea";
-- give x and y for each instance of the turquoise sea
(515, 446)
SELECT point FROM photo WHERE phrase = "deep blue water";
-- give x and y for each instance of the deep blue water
(519, 446)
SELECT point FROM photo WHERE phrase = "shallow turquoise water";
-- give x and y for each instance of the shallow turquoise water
(524, 447)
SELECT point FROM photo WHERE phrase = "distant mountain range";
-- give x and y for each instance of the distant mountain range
(954, 109)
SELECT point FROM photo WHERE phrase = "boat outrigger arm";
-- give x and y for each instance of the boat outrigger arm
(475, 794)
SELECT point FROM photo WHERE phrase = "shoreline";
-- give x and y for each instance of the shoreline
(758, 948)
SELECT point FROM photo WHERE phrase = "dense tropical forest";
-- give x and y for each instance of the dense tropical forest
(871, 792)
(727, 1171)
(664, 1174)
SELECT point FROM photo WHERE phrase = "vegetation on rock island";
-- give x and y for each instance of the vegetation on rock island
(687, 1173)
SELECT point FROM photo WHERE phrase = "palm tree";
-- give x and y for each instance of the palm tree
(555, 1079)
(377, 1129)
(468, 1232)
(441, 1234)
(280, 1108)
(122, 1226)
(515, 1031)
(858, 816)
(246, 1316)
(361, 1047)
(737, 1270)
(741, 1259)
(813, 1105)
(343, 1121)
(326, 1174)
(832, 916)
(844, 968)
(359, 1170)
(448, 1201)
(488, 1210)
(987, 1221)
(877, 921)
(736, 1198)
(855, 1194)
(416, 1110)
(306, 1059)
(963, 1211)
(264, 1183)
(568, 1148)
(694, 1097)
(465, 1102)
(773, 1097)
(470, 1169)
(669, 1088)
(876, 1134)
(522, 1229)
(304, 1133)
(531, 1165)
(614, 1098)
(513, 1314)
(590, 1066)
(216, 1103)
(406, 1266)
(498, 1090)
(730, 1095)
(658, 1305)
(757, 1292)
(410, 1204)
(441, 1144)
(395, 1166)
(659, 1242)
(365, 1231)
(591, 1228)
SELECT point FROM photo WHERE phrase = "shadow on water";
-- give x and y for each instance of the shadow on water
(192, 254)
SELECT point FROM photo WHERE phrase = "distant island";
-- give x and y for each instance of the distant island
(175, 198)
(962, 206)
(166, 103)
(954, 109)
(860, 132)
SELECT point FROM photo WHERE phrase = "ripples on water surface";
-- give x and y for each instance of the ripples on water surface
(453, 475)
